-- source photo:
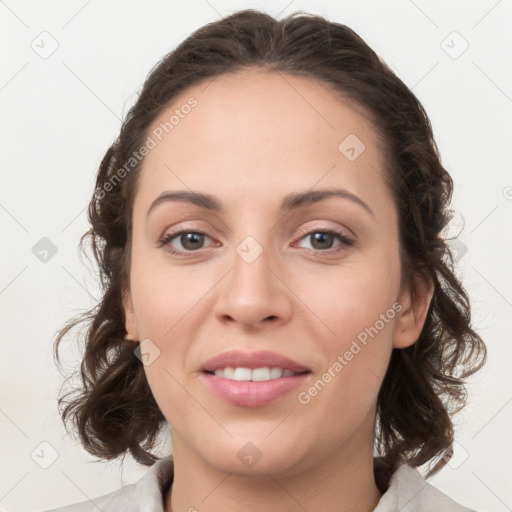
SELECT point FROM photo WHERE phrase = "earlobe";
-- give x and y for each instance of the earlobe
(415, 305)
(132, 332)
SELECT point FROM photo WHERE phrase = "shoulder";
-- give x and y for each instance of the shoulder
(148, 490)
(121, 500)
(408, 491)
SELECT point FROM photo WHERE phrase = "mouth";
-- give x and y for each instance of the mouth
(261, 363)
(252, 379)
(241, 374)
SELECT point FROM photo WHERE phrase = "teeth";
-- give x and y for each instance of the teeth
(266, 373)
(258, 374)
(242, 374)
(228, 373)
(275, 373)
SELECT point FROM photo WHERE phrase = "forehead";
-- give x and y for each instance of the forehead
(261, 131)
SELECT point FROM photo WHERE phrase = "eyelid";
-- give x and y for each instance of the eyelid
(347, 233)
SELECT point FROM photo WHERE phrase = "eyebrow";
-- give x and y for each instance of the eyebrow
(290, 202)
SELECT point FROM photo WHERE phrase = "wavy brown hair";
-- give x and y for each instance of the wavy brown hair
(113, 410)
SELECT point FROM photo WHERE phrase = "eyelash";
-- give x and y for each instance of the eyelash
(345, 241)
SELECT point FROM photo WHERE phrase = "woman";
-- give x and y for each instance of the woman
(276, 287)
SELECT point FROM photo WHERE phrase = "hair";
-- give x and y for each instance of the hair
(113, 410)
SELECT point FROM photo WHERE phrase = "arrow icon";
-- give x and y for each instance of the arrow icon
(147, 352)
(45, 45)
(44, 455)
(454, 45)
(44, 250)
(249, 455)
(249, 249)
(351, 147)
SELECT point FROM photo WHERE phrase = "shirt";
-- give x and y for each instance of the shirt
(408, 491)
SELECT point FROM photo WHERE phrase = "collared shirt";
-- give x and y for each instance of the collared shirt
(408, 491)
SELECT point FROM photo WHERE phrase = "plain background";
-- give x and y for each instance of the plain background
(60, 112)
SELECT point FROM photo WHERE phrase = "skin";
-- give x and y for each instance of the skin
(253, 138)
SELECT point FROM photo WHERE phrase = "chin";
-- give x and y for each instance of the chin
(256, 459)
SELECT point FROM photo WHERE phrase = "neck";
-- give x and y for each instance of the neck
(329, 486)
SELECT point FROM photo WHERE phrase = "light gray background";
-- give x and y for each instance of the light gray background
(60, 113)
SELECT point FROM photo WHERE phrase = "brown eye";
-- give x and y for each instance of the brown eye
(321, 240)
(191, 241)
(187, 241)
(325, 240)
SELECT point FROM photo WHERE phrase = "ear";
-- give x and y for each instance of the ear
(415, 301)
(132, 332)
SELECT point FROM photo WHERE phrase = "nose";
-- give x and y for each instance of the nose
(253, 293)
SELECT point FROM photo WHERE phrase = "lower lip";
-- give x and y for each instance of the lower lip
(252, 393)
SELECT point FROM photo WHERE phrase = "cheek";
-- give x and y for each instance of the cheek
(349, 298)
(163, 298)
(356, 356)
(357, 309)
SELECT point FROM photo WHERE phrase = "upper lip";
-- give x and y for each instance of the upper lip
(259, 359)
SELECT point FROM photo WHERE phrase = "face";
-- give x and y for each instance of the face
(315, 280)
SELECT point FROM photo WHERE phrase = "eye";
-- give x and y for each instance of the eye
(190, 241)
(322, 240)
